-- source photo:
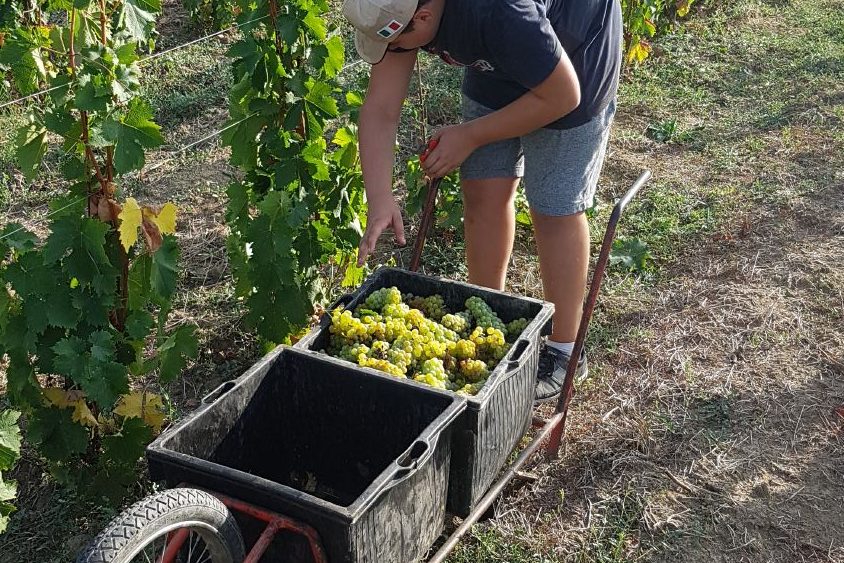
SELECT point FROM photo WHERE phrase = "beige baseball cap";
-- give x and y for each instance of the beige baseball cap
(377, 22)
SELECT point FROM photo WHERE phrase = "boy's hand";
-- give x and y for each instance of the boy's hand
(453, 145)
(382, 214)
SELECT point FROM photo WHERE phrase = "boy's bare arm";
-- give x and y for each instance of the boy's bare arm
(379, 118)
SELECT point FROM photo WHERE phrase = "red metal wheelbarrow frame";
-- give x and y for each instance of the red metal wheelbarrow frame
(275, 523)
(551, 430)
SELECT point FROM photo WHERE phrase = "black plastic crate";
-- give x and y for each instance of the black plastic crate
(362, 458)
(499, 415)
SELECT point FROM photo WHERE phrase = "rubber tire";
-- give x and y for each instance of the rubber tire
(147, 518)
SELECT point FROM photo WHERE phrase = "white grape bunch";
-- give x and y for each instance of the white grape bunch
(483, 314)
(416, 337)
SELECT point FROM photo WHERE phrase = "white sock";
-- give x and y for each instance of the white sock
(565, 347)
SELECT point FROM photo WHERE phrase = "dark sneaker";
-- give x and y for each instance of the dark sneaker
(552, 373)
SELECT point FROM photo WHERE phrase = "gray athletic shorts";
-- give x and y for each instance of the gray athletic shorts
(560, 167)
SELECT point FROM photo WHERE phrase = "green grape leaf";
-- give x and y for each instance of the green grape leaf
(32, 146)
(127, 53)
(70, 358)
(8, 490)
(354, 99)
(314, 154)
(94, 307)
(102, 346)
(73, 168)
(59, 89)
(44, 355)
(131, 135)
(29, 276)
(287, 26)
(174, 353)
(139, 324)
(263, 316)
(10, 440)
(354, 275)
(22, 388)
(90, 96)
(59, 121)
(16, 237)
(293, 118)
(345, 136)
(58, 436)
(238, 208)
(164, 267)
(6, 509)
(242, 137)
(336, 56)
(320, 95)
(140, 275)
(86, 31)
(104, 382)
(316, 24)
(138, 17)
(5, 304)
(127, 82)
(87, 261)
(127, 447)
(61, 311)
(35, 311)
(246, 54)
(63, 238)
(21, 53)
(239, 266)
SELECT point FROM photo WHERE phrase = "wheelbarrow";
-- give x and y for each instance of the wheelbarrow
(187, 524)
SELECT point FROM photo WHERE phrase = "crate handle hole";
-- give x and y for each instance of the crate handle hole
(519, 349)
(218, 392)
(412, 456)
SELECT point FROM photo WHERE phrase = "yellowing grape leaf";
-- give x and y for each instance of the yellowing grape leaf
(683, 7)
(130, 220)
(166, 219)
(83, 415)
(71, 399)
(638, 52)
(354, 274)
(152, 234)
(56, 397)
(146, 406)
(107, 424)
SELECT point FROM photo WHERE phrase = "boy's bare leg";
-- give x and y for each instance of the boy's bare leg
(489, 225)
(563, 244)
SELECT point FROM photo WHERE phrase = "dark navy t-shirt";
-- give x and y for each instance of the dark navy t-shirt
(511, 46)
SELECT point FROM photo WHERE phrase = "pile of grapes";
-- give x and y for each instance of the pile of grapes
(415, 337)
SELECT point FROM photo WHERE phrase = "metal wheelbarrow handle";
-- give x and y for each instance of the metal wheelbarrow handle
(425, 223)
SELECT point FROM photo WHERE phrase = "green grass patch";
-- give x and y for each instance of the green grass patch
(613, 536)
(487, 545)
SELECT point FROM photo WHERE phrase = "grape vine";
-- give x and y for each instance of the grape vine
(83, 312)
(644, 19)
(299, 203)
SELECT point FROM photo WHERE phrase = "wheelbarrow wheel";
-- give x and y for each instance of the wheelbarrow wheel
(173, 526)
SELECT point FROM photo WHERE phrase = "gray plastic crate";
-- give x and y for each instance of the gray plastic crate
(361, 457)
(499, 415)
